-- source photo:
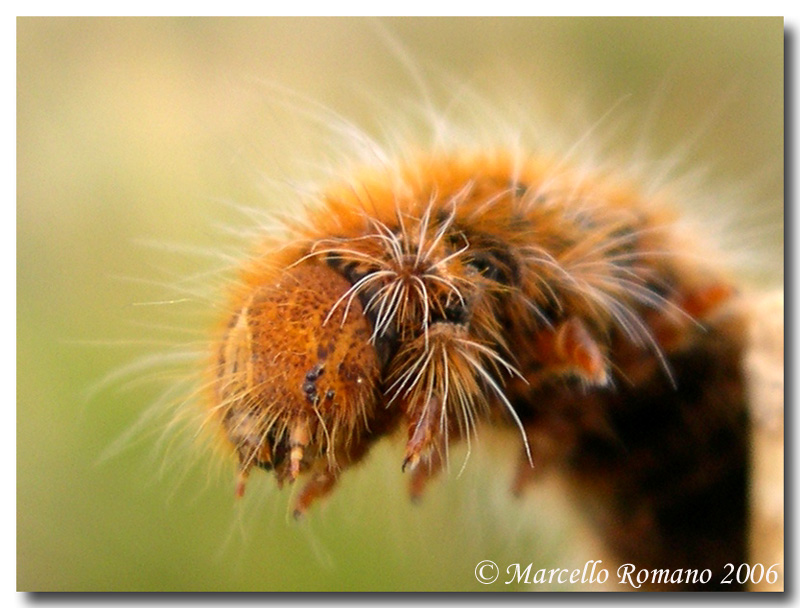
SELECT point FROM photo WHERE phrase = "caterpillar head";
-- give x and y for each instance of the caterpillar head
(294, 384)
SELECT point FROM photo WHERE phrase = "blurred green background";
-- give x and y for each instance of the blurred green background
(137, 131)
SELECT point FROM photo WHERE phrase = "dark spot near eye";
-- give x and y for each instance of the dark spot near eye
(333, 261)
(496, 265)
(352, 271)
(482, 264)
(453, 314)
(456, 239)
(310, 387)
(385, 346)
(493, 259)
(315, 372)
(386, 343)
(330, 394)
(349, 268)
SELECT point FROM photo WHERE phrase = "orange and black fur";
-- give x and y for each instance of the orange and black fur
(454, 291)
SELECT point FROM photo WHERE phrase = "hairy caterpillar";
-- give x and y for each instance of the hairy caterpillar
(440, 291)
(443, 292)
(135, 129)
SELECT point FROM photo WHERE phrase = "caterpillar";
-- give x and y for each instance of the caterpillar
(142, 139)
(437, 293)
(448, 291)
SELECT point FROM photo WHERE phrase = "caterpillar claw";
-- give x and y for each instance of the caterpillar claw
(316, 488)
(423, 434)
(422, 475)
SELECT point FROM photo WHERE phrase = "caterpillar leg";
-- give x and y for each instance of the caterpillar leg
(423, 474)
(317, 487)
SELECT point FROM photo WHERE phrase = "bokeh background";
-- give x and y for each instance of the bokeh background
(139, 140)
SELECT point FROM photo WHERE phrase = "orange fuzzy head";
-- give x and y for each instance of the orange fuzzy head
(296, 376)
